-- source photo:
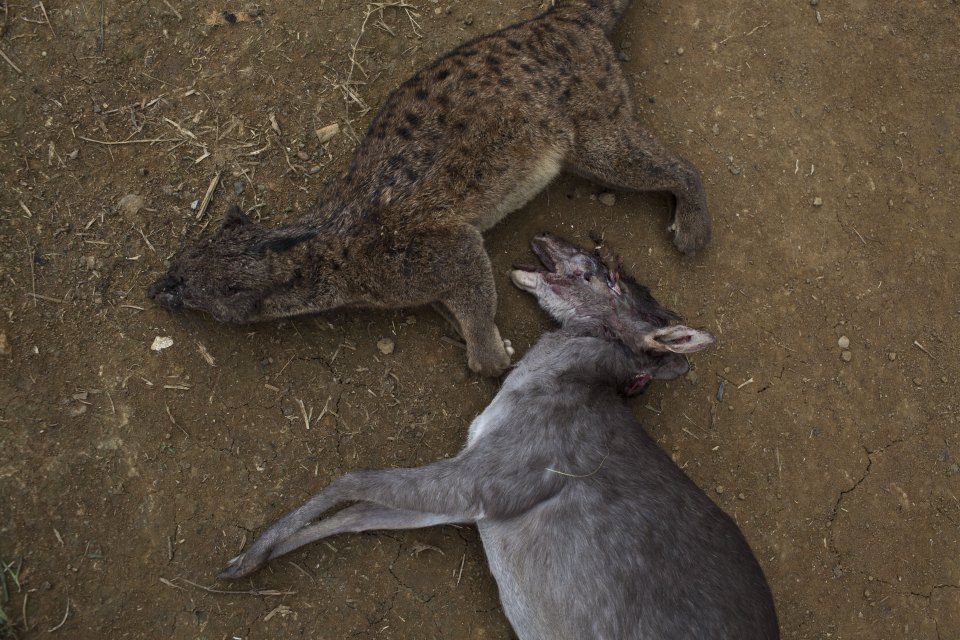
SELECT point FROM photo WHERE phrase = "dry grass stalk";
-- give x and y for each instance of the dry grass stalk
(175, 12)
(348, 84)
(10, 62)
(208, 196)
(120, 142)
(43, 10)
(250, 592)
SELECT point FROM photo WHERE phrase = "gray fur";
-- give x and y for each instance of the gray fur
(454, 149)
(589, 528)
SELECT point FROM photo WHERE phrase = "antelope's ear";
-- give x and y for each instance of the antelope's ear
(235, 217)
(678, 339)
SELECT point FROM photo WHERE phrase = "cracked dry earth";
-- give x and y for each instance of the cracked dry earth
(827, 136)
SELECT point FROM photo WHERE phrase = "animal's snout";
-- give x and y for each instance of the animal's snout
(167, 291)
(552, 251)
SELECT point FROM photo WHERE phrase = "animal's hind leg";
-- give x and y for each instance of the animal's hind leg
(364, 516)
(443, 489)
(627, 158)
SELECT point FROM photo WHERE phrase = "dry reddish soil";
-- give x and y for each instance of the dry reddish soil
(827, 136)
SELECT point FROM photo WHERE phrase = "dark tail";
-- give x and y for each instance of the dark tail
(605, 12)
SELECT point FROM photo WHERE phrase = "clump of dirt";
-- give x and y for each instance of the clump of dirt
(827, 134)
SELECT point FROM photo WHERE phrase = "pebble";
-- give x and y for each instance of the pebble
(818, 201)
(238, 187)
(161, 342)
(719, 489)
(314, 170)
(608, 199)
(679, 51)
(716, 128)
(4, 345)
(843, 342)
(891, 356)
(814, 3)
(918, 382)
(326, 134)
(386, 346)
(130, 204)
(847, 356)
(303, 155)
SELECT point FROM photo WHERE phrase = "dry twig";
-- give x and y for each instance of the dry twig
(303, 411)
(6, 19)
(119, 142)
(100, 35)
(175, 12)
(10, 62)
(250, 592)
(208, 196)
(43, 10)
(62, 622)
(924, 349)
(346, 86)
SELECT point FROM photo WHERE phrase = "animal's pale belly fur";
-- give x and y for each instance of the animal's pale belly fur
(531, 182)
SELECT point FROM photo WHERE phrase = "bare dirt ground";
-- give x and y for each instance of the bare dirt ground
(827, 135)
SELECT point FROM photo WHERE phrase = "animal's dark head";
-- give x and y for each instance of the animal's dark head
(577, 286)
(243, 272)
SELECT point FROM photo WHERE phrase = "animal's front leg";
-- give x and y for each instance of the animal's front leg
(401, 499)
(623, 156)
(471, 298)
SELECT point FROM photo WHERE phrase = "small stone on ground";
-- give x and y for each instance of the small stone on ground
(161, 342)
(386, 346)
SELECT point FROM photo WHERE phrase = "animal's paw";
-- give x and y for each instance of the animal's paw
(491, 364)
(508, 347)
(691, 233)
(243, 565)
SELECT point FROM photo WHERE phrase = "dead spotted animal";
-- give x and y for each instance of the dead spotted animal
(457, 147)
(590, 529)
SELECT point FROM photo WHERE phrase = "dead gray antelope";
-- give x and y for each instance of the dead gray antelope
(590, 529)
(468, 139)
